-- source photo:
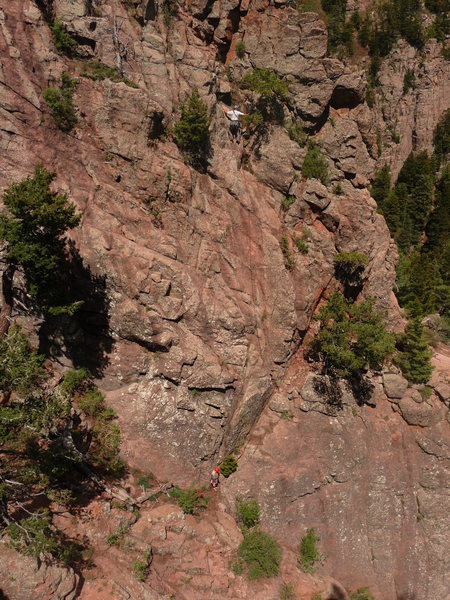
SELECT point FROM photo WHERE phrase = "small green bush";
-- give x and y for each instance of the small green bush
(240, 49)
(408, 81)
(73, 381)
(238, 567)
(338, 189)
(362, 594)
(315, 165)
(114, 539)
(191, 501)
(288, 259)
(92, 403)
(286, 202)
(301, 244)
(229, 465)
(143, 481)
(266, 83)
(254, 120)
(286, 592)
(248, 512)
(140, 567)
(309, 553)
(395, 137)
(297, 133)
(64, 42)
(97, 71)
(261, 553)
(349, 266)
(60, 103)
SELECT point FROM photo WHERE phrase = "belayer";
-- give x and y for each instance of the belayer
(215, 475)
(235, 124)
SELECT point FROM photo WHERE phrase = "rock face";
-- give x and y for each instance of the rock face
(195, 313)
(25, 577)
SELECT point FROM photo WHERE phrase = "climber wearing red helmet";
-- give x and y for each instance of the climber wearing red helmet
(215, 477)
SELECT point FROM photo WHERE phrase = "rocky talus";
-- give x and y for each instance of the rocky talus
(197, 336)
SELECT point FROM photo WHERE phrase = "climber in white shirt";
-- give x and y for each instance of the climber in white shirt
(235, 124)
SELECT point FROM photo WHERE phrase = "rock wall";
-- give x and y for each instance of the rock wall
(199, 317)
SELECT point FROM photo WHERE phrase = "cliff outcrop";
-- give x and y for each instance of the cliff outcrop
(195, 320)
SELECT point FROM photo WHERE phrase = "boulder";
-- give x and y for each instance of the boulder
(416, 413)
(443, 391)
(394, 386)
(316, 194)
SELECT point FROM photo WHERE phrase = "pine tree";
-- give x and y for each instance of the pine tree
(381, 186)
(34, 228)
(192, 130)
(414, 357)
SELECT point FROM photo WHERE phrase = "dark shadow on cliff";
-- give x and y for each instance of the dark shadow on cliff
(82, 337)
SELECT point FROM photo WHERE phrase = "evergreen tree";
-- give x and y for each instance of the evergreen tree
(352, 337)
(414, 357)
(438, 226)
(381, 186)
(34, 228)
(192, 130)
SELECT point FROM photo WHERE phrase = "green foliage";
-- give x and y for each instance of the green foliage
(144, 481)
(349, 266)
(352, 337)
(340, 32)
(315, 164)
(21, 369)
(416, 206)
(414, 356)
(362, 594)
(370, 96)
(140, 567)
(60, 103)
(34, 229)
(261, 553)
(286, 202)
(309, 554)
(248, 512)
(64, 42)
(168, 9)
(304, 6)
(301, 243)
(266, 83)
(191, 501)
(286, 591)
(442, 138)
(338, 189)
(33, 535)
(97, 71)
(73, 381)
(115, 539)
(297, 133)
(253, 120)
(229, 465)
(240, 49)
(388, 21)
(238, 567)
(408, 81)
(379, 143)
(288, 259)
(92, 403)
(191, 133)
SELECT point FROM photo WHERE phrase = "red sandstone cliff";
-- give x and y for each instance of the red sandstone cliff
(198, 296)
